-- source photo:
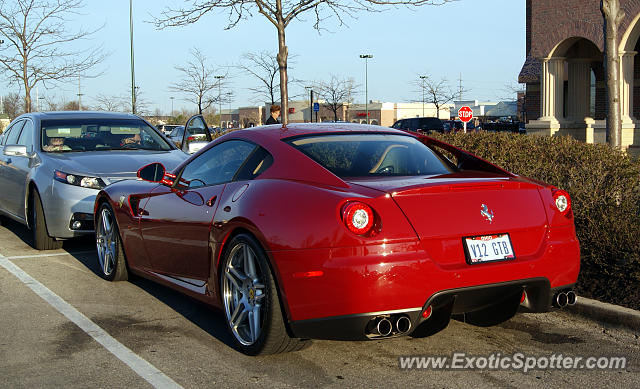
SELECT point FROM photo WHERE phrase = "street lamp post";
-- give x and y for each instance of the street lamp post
(423, 78)
(219, 78)
(133, 77)
(172, 105)
(366, 84)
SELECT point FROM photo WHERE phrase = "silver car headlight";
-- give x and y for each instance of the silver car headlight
(77, 180)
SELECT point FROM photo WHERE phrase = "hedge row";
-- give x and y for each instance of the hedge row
(604, 185)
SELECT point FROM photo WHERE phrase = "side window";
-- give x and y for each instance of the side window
(26, 136)
(259, 161)
(14, 132)
(218, 165)
(196, 124)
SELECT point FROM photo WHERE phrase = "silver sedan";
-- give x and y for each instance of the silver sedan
(53, 164)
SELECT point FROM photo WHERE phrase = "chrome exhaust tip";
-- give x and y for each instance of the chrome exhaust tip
(561, 300)
(571, 297)
(403, 324)
(384, 327)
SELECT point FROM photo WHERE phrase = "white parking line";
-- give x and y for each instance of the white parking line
(50, 255)
(143, 368)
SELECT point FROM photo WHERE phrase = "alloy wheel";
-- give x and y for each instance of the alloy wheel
(106, 242)
(243, 294)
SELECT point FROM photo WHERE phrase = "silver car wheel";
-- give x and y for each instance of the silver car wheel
(243, 294)
(106, 242)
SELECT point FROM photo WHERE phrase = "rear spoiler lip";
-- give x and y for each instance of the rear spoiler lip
(467, 161)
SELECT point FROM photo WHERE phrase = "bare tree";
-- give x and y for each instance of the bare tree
(51, 104)
(12, 105)
(108, 103)
(437, 92)
(201, 83)
(36, 35)
(337, 93)
(142, 104)
(613, 16)
(280, 13)
(71, 106)
(265, 68)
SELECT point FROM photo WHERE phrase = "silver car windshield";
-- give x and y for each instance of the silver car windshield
(80, 135)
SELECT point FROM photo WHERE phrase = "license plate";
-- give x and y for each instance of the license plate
(488, 248)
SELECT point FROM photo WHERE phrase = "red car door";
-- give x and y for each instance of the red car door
(176, 222)
(175, 225)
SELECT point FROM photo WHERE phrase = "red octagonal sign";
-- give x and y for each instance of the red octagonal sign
(465, 114)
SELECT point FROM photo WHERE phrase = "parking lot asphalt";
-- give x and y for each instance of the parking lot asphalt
(87, 332)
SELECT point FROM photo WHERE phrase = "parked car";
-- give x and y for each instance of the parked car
(348, 232)
(167, 129)
(53, 164)
(193, 136)
(425, 125)
(457, 125)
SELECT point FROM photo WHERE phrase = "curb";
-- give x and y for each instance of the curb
(606, 313)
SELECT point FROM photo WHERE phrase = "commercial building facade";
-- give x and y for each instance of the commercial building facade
(564, 70)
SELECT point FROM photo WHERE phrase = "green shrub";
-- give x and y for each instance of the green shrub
(604, 185)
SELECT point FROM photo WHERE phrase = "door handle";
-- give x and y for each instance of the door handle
(212, 201)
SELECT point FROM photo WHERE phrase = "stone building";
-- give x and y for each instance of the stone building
(564, 72)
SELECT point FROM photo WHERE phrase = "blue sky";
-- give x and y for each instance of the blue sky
(482, 40)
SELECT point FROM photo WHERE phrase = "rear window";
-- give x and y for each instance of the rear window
(363, 155)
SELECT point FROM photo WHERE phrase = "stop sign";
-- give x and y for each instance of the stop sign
(465, 114)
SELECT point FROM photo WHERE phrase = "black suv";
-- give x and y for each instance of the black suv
(419, 124)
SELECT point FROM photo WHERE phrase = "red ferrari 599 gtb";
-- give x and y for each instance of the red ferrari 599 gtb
(341, 231)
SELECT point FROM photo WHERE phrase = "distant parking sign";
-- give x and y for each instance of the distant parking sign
(316, 107)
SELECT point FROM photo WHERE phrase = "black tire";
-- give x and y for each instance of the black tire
(272, 337)
(41, 239)
(111, 260)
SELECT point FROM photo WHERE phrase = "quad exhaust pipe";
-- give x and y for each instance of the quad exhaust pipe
(403, 324)
(562, 299)
(385, 326)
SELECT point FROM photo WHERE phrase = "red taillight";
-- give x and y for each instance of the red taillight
(191, 138)
(358, 217)
(562, 201)
(523, 297)
(427, 312)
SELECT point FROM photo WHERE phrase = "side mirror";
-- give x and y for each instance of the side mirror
(153, 172)
(16, 151)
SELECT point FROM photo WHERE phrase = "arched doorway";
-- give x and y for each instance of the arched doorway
(571, 81)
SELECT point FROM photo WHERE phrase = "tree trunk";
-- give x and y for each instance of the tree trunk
(27, 87)
(283, 53)
(612, 17)
(27, 99)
